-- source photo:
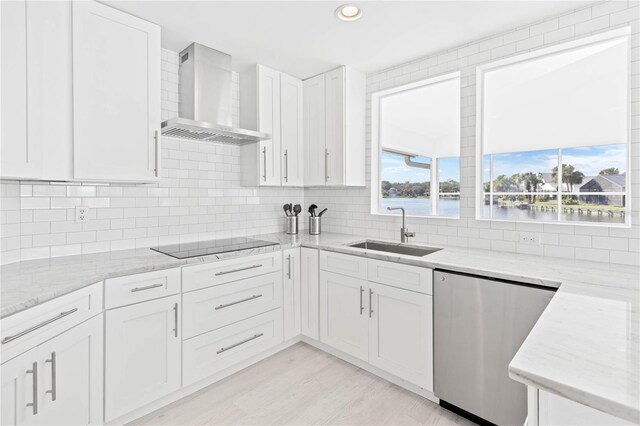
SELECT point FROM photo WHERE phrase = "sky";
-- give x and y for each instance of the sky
(588, 160)
(394, 169)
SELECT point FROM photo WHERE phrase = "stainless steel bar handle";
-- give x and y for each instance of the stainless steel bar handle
(326, 164)
(370, 305)
(34, 404)
(157, 146)
(289, 268)
(238, 270)
(35, 327)
(264, 163)
(54, 386)
(255, 336)
(133, 290)
(361, 305)
(286, 166)
(226, 305)
(175, 319)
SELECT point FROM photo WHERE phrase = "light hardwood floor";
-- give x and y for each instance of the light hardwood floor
(302, 386)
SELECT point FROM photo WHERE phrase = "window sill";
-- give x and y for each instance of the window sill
(576, 223)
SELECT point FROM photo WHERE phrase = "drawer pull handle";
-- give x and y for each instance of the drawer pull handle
(35, 327)
(54, 386)
(149, 287)
(34, 404)
(238, 270)
(226, 305)
(255, 336)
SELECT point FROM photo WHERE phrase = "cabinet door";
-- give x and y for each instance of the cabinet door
(269, 122)
(335, 109)
(20, 382)
(71, 376)
(20, 155)
(142, 361)
(314, 132)
(344, 316)
(309, 292)
(116, 93)
(291, 130)
(291, 293)
(400, 334)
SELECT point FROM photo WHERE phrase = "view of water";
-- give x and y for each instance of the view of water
(451, 208)
(422, 206)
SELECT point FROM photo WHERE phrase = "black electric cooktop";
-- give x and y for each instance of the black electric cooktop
(204, 248)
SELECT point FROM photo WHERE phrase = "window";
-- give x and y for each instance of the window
(552, 134)
(416, 148)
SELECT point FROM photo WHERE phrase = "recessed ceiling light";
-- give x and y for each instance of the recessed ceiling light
(349, 12)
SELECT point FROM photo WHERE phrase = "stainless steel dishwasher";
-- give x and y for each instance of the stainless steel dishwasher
(479, 324)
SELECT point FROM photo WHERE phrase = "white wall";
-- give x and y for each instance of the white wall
(349, 209)
(199, 197)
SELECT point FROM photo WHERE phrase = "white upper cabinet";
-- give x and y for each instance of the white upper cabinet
(314, 146)
(116, 93)
(291, 123)
(271, 102)
(21, 155)
(334, 147)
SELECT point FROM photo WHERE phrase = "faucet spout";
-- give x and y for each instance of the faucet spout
(404, 232)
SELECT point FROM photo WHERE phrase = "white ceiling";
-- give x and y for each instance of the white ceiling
(304, 38)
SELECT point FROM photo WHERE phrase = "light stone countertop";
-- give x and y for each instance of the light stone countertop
(585, 346)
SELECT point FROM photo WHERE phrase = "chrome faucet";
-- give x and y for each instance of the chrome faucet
(404, 232)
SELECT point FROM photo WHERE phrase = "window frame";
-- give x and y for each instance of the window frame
(376, 147)
(562, 47)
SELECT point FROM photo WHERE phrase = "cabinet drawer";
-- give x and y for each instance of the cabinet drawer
(353, 266)
(210, 274)
(409, 277)
(27, 329)
(221, 305)
(217, 350)
(140, 287)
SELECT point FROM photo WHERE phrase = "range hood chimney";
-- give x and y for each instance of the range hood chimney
(204, 111)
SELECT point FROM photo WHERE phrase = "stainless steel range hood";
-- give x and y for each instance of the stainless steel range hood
(204, 111)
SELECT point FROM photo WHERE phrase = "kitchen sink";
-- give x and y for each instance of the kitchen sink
(406, 249)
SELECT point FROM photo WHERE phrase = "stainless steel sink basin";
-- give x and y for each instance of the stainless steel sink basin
(406, 249)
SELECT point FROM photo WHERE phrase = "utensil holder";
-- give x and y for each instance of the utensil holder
(315, 225)
(291, 225)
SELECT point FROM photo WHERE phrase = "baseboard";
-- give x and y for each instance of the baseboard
(373, 370)
(188, 390)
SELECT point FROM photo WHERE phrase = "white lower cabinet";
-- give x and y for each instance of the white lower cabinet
(344, 320)
(58, 382)
(401, 334)
(548, 409)
(143, 347)
(309, 292)
(389, 327)
(20, 390)
(291, 293)
(213, 352)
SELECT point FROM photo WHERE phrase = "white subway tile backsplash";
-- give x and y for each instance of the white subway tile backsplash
(349, 209)
(199, 195)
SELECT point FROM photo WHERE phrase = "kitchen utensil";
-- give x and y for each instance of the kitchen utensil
(312, 209)
(297, 209)
(286, 209)
(291, 224)
(314, 225)
(322, 212)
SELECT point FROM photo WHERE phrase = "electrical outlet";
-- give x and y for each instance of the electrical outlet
(82, 214)
(530, 238)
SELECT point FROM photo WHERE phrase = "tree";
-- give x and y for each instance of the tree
(531, 182)
(570, 176)
(610, 171)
